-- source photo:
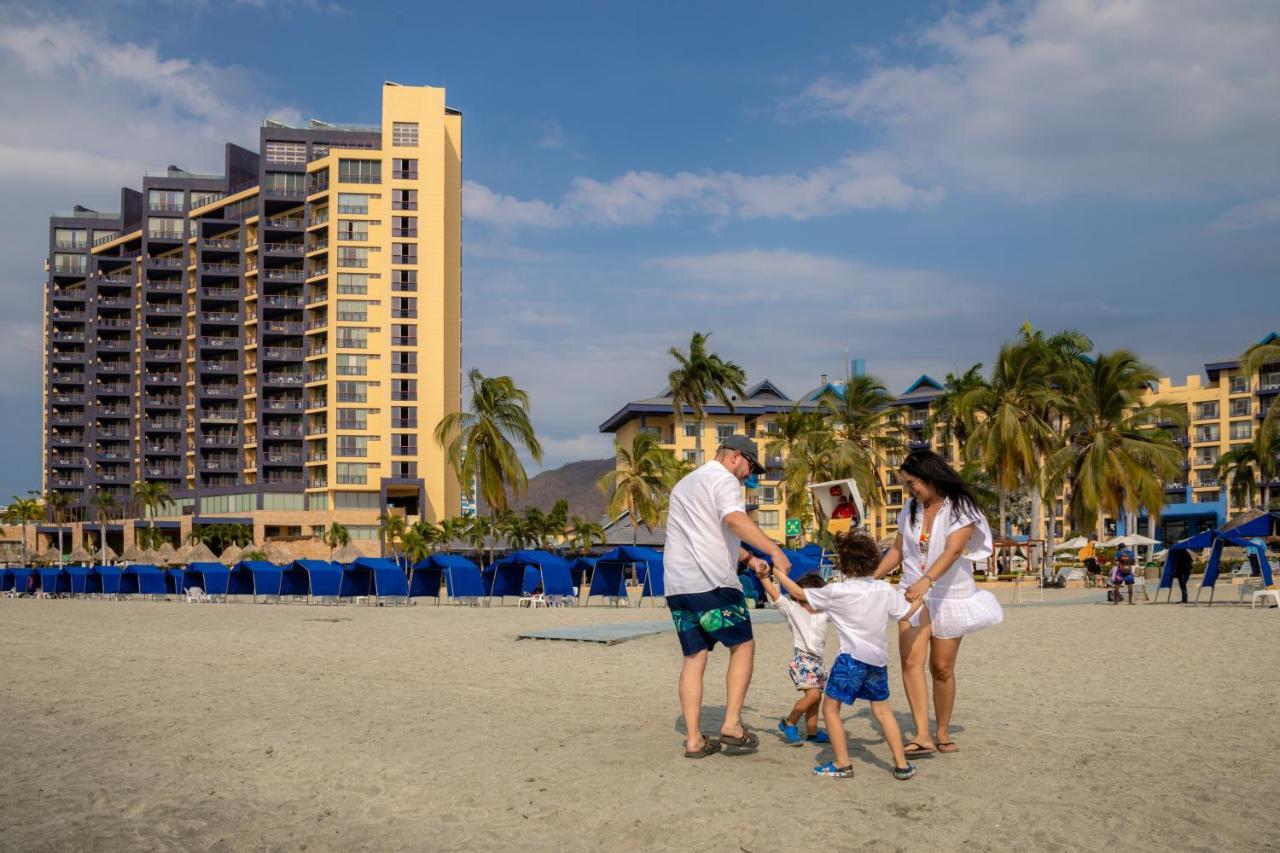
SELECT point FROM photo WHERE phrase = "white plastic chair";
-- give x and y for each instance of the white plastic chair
(1263, 595)
(196, 595)
(1247, 586)
(1140, 583)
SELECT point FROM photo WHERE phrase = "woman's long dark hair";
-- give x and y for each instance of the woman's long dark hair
(933, 469)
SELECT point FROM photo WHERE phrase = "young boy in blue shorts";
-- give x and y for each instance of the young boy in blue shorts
(860, 608)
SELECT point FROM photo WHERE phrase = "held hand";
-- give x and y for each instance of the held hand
(916, 591)
(781, 563)
(759, 566)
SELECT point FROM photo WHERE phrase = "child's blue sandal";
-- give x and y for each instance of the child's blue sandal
(904, 773)
(820, 737)
(791, 733)
(830, 769)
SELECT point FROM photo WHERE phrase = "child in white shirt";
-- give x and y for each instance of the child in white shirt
(807, 670)
(860, 607)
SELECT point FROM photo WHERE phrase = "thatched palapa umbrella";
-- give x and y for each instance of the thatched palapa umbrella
(182, 556)
(230, 555)
(51, 555)
(134, 554)
(106, 555)
(346, 554)
(79, 555)
(200, 553)
(167, 551)
(278, 553)
(152, 557)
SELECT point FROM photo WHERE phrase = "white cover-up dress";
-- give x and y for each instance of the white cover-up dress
(956, 606)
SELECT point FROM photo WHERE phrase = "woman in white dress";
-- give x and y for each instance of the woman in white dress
(941, 532)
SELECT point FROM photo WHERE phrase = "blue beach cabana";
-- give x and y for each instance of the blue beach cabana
(1243, 535)
(611, 568)
(110, 579)
(324, 579)
(580, 570)
(294, 581)
(462, 581)
(265, 577)
(213, 578)
(388, 577)
(6, 580)
(142, 579)
(175, 581)
(17, 578)
(54, 581)
(433, 571)
(84, 580)
(521, 572)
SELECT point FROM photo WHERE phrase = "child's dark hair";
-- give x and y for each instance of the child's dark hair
(934, 470)
(857, 555)
(812, 580)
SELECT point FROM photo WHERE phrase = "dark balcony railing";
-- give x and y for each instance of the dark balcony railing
(113, 323)
(67, 439)
(113, 432)
(63, 356)
(163, 378)
(114, 367)
(69, 316)
(282, 431)
(317, 403)
(404, 205)
(276, 300)
(164, 471)
(282, 353)
(67, 399)
(220, 390)
(220, 243)
(285, 222)
(162, 424)
(220, 438)
(67, 418)
(113, 387)
(282, 275)
(220, 268)
(317, 245)
(218, 415)
(219, 317)
(163, 308)
(282, 405)
(317, 377)
(165, 263)
(163, 354)
(282, 458)
(68, 293)
(119, 278)
(163, 400)
(112, 411)
(68, 337)
(67, 378)
(115, 301)
(287, 248)
(404, 232)
(220, 292)
(283, 378)
(163, 447)
(281, 327)
(67, 482)
(164, 331)
(166, 286)
(220, 464)
(231, 366)
(317, 483)
(219, 342)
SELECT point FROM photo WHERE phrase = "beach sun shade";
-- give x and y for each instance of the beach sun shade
(212, 577)
(143, 579)
(295, 580)
(522, 572)
(357, 581)
(53, 581)
(110, 578)
(240, 580)
(266, 577)
(84, 580)
(646, 563)
(324, 578)
(429, 572)
(462, 580)
(388, 578)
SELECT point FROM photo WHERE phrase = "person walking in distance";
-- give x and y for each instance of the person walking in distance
(707, 523)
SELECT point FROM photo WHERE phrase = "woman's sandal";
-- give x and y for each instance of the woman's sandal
(747, 741)
(946, 746)
(710, 746)
(915, 750)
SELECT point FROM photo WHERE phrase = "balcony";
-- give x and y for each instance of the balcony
(119, 278)
(282, 458)
(114, 388)
(115, 301)
(114, 432)
(76, 357)
(114, 323)
(281, 327)
(404, 340)
(117, 345)
(74, 439)
(221, 317)
(164, 286)
(68, 337)
(404, 205)
(220, 438)
(162, 378)
(1175, 486)
(231, 366)
(282, 431)
(169, 308)
(320, 219)
(288, 379)
(317, 483)
(283, 477)
(289, 248)
(317, 456)
(113, 412)
(406, 313)
(404, 423)
(59, 399)
(231, 390)
(230, 464)
(316, 377)
(1206, 482)
(317, 403)
(293, 275)
(112, 454)
(220, 292)
(68, 316)
(404, 232)
(285, 222)
(162, 354)
(69, 294)
(163, 448)
(67, 418)
(67, 482)
(163, 401)
(70, 269)
(219, 342)
(67, 378)
(162, 424)
(317, 245)
(282, 354)
(165, 263)
(162, 332)
(219, 268)
(276, 300)
(164, 470)
(220, 243)
(282, 405)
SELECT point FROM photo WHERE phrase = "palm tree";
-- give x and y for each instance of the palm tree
(1237, 468)
(699, 376)
(151, 497)
(58, 503)
(453, 530)
(1253, 361)
(583, 534)
(864, 431)
(479, 532)
(104, 505)
(1116, 460)
(1011, 432)
(481, 443)
(640, 477)
(393, 529)
(23, 511)
(793, 439)
(335, 537)
(946, 418)
(418, 541)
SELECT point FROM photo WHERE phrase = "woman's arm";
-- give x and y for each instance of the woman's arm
(891, 559)
(957, 540)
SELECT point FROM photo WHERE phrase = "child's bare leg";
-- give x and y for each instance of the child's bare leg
(883, 712)
(811, 715)
(835, 731)
(806, 706)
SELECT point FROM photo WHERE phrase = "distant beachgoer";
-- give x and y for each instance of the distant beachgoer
(941, 533)
(1182, 566)
(1089, 556)
(807, 668)
(860, 607)
(707, 523)
(844, 509)
(1122, 574)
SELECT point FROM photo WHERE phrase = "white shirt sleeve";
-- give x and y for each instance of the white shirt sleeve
(980, 545)
(904, 516)
(898, 604)
(819, 599)
(726, 493)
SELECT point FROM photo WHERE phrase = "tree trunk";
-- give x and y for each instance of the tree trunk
(697, 444)
(1037, 519)
(1003, 528)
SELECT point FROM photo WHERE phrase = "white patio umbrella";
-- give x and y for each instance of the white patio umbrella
(1071, 544)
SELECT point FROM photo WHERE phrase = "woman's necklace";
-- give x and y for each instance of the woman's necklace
(926, 527)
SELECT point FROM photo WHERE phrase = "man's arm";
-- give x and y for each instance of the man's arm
(770, 588)
(747, 530)
(793, 589)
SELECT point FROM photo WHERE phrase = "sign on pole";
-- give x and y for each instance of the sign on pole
(793, 527)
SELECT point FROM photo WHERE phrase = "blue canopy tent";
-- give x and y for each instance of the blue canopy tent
(53, 580)
(110, 579)
(646, 563)
(294, 580)
(431, 572)
(522, 572)
(213, 578)
(388, 577)
(1241, 535)
(463, 581)
(6, 580)
(802, 562)
(357, 582)
(175, 581)
(324, 579)
(580, 569)
(264, 576)
(84, 580)
(240, 580)
(17, 578)
(142, 579)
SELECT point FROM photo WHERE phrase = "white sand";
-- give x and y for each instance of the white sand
(166, 726)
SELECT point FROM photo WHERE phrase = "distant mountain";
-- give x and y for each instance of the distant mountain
(575, 481)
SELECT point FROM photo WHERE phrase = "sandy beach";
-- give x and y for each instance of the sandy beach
(167, 726)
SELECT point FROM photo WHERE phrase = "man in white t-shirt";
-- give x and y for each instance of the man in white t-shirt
(706, 525)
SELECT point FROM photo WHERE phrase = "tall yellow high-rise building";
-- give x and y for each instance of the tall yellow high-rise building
(276, 343)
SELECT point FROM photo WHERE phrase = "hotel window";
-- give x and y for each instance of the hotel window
(318, 181)
(353, 365)
(1207, 455)
(1239, 409)
(404, 306)
(404, 280)
(690, 430)
(349, 338)
(404, 134)
(353, 310)
(404, 199)
(404, 335)
(404, 444)
(199, 198)
(1241, 429)
(1239, 384)
(767, 519)
(404, 253)
(353, 418)
(285, 152)
(404, 362)
(404, 169)
(894, 497)
(404, 470)
(353, 445)
(353, 256)
(353, 282)
(404, 226)
(404, 417)
(723, 431)
(1206, 478)
(75, 264)
(353, 229)
(360, 171)
(691, 456)
(103, 236)
(1206, 411)
(352, 473)
(353, 392)
(164, 227)
(1207, 497)
(1208, 433)
(353, 203)
(768, 494)
(290, 182)
(404, 389)
(71, 238)
(164, 199)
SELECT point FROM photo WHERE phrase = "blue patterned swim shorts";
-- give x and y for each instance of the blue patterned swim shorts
(703, 619)
(852, 679)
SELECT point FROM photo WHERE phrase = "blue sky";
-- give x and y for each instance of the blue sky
(904, 182)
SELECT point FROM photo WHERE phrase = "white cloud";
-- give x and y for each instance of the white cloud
(642, 198)
(1054, 97)
(1246, 216)
(551, 135)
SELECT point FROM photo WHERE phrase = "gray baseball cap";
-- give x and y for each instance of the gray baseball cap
(747, 448)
